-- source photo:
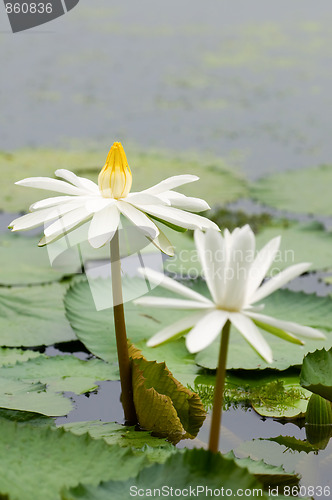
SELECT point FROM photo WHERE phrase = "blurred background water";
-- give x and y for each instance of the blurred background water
(247, 81)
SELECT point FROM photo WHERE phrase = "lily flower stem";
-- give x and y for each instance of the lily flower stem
(120, 334)
(219, 390)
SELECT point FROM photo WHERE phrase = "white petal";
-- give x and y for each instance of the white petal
(279, 280)
(103, 226)
(138, 218)
(210, 247)
(261, 265)
(240, 255)
(96, 203)
(166, 303)
(52, 202)
(67, 222)
(179, 217)
(35, 219)
(79, 182)
(289, 326)
(171, 183)
(252, 335)
(145, 199)
(50, 185)
(206, 331)
(179, 200)
(172, 285)
(174, 330)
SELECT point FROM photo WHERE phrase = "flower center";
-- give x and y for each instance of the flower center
(115, 178)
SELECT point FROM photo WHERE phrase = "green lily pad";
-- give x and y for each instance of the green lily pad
(22, 262)
(96, 330)
(32, 397)
(12, 356)
(190, 469)
(306, 309)
(316, 373)
(266, 473)
(147, 169)
(154, 448)
(62, 373)
(33, 316)
(292, 443)
(299, 243)
(302, 191)
(39, 462)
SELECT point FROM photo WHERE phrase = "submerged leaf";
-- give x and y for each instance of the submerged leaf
(163, 405)
(316, 373)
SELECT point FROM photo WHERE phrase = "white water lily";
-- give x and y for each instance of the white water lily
(104, 203)
(234, 275)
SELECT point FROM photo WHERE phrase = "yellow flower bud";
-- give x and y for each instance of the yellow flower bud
(115, 178)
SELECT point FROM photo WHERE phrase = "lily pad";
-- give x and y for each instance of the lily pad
(32, 397)
(306, 309)
(307, 190)
(96, 330)
(62, 373)
(22, 262)
(154, 448)
(163, 405)
(195, 469)
(11, 356)
(39, 462)
(31, 316)
(316, 373)
(147, 169)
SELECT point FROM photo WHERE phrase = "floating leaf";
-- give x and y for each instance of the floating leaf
(266, 473)
(33, 316)
(302, 191)
(32, 397)
(62, 373)
(39, 462)
(96, 330)
(163, 405)
(11, 356)
(154, 448)
(193, 469)
(292, 443)
(23, 262)
(299, 243)
(306, 309)
(316, 373)
(148, 169)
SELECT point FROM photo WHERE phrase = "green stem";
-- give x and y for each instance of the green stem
(120, 334)
(219, 390)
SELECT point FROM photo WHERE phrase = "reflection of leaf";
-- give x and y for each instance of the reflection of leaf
(39, 462)
(302, 191)
(33, 316)
(266, 473)
(316, 373)
(163, 405)
(154, 448)
(292, 443)
(62, 373)
(190, 469)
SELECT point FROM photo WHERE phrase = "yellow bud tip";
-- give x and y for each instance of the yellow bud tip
(115, 178)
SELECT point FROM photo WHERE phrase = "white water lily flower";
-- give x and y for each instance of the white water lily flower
(234, 275)
(103, 203)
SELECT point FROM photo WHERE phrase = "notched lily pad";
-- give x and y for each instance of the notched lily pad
(316, 373)
(163, 405)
